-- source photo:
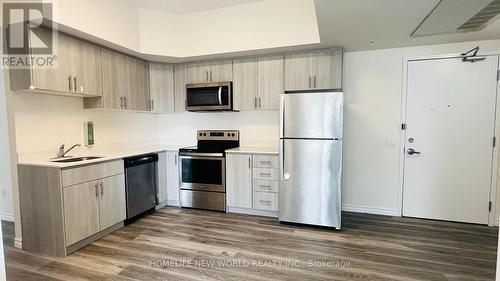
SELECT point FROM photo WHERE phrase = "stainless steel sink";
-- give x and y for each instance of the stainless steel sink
(76, 159)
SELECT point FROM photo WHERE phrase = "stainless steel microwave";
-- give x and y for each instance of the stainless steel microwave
(209, 96)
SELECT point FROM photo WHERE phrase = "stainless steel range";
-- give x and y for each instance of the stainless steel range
(203, 170)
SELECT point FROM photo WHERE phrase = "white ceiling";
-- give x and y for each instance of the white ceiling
(182, 7)
(354, 24)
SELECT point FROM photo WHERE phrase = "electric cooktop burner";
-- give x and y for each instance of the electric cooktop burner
(213, 143)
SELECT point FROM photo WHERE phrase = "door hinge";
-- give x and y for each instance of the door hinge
(494, 141)
(403, 126)
(489, 206)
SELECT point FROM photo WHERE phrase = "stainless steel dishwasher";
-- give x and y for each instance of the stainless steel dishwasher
(140, 184)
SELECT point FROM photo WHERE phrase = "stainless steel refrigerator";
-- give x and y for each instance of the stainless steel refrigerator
(311, 158)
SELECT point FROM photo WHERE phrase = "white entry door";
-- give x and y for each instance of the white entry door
(450, 119)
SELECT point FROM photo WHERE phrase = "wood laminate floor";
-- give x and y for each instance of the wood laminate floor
(183, 244)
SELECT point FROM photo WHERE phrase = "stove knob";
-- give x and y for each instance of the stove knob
(232, 134)
(200, 134)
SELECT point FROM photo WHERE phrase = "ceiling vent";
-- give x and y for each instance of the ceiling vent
(481, 19)
(450, 16)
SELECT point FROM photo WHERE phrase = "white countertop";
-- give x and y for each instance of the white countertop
(106, 156)
(254, 150)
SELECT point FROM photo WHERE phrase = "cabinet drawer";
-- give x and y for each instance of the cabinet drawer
(91, 172)
(265, 201)
(265, 161)
(265, 174)
(265, 186)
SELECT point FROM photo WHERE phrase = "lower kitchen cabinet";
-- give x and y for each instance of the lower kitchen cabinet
(168, 178)
(66, 209)
(252, 184)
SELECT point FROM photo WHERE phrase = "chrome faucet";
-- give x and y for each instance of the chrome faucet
(63, 153)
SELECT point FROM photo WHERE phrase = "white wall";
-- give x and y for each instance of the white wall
(6, 203)
(257, 128)
(373, 86)
(260, 25)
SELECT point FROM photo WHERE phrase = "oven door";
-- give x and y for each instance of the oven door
(209, 96)
(203, 173)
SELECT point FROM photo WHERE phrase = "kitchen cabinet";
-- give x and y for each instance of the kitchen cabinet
(77, 205)
(320, 69)
(125, 83)
(239, 180)
(258, 83)
(93, 206)
(161, 81)
(271, 84)
(168, 178)
(210, 71)
(245, 84)
(173, 178)
(180, 81)
(252, 183)
(77, 70)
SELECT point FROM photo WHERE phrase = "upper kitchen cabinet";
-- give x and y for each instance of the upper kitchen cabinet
(125, 83)
(258, 83)
(180, 81)
(206, 72)
(161, 81)
(77, 71)
(314, 70)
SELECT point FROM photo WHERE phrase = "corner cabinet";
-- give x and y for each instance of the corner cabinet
(161, 81)
(77, 71)
(252, 184)
(312, 70)
(180, 81)
(66, 209)
(125, 83)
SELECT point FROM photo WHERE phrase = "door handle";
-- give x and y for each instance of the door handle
(412, 151)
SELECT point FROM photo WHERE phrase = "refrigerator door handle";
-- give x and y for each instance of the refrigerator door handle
(282, 116)
(282, 160)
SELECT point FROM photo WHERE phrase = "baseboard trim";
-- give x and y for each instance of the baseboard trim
(370, 210)
(168, 203)
(18, 243)
(255, 212)
(6, 217)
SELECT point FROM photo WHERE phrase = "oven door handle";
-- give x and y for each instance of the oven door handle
(187, 155)
(219, 95)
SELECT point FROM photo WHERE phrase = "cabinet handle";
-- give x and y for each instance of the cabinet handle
(255, 102)
(207, 76)
(121, 102)
(151, 105)
(125, 102)
(211, 79)
(265, 202)
(310, 82)
(265, 162)
(314, 80)
(264, 174)
(96, 190)
(249, 163)
(69, 83)
(268, 187)
(102, 188)
(260, 102)
(175, 160)
(74, 79)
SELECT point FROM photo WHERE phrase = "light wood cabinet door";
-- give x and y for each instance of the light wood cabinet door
(327, 69)
(112, 208)
(245, 85)
(239, 180)
(142, 99)
(298, 71)
(59, 79)
(180, 81)
(81, 211)
(221, 71)
(88, 76)
(161, 81)
(114, 77)
(173, 177)
(131, 73)
(270, 82)
(198, 72)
